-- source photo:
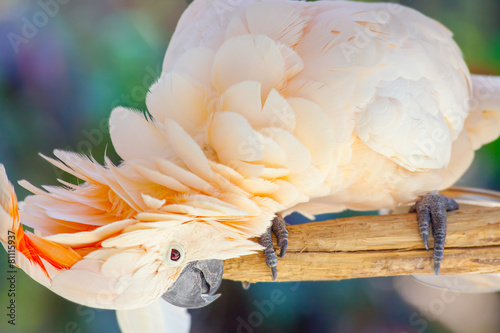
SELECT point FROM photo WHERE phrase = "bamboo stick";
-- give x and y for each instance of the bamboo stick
(370, 246)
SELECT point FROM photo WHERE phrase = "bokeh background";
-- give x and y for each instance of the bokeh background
(65, 64)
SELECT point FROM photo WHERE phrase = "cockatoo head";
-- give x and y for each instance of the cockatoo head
(186, 256)
(181, 257)
(125, 264)
(192, 277)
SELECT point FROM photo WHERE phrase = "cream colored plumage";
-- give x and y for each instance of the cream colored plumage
(262, 107)
(157, 317)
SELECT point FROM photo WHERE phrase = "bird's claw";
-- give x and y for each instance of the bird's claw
(278, 228)
(431, 211)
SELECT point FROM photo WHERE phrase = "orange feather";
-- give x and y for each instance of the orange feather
(36, 248)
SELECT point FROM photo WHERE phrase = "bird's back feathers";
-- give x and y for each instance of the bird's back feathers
(263, 107)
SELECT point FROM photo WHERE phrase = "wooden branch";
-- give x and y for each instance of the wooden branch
(370, 246)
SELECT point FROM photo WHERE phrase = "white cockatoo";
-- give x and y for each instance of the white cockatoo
(263, 108)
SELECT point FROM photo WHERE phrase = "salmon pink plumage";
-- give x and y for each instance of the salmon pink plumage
(263, 107)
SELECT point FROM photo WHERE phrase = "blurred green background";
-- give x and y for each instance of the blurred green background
(58, 85)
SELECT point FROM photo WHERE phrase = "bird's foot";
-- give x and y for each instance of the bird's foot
(278, 228)
(431, 210)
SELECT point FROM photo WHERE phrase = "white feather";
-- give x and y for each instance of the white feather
(90, 237)
(249, 58)
(313, 129)
(157, 177)
(184, 176)
(243, 146)
(134, 137)
(279, 21)
(187, 150)
(197, 63)
(158, 317)
(178, 98)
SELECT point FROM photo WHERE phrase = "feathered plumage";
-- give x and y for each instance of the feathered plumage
(262, 107)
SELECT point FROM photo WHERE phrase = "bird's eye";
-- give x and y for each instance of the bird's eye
(174, 255)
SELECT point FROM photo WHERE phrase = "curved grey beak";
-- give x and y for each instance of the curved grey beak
(196, 285)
